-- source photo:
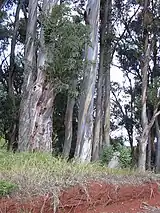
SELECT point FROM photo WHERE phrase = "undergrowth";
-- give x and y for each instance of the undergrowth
(41, 173)
(6, 188)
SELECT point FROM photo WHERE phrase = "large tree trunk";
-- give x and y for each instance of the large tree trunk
(69, 121)
(12, 143)
(85, 120)
(107, 63)
(35, 132)
(30, 69)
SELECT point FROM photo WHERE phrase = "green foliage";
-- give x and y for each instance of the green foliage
(65, 39)
(6, 187)
(124, 158)
(107, 155)
(153, 91)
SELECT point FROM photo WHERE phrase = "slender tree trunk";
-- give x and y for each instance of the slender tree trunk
(144, 118)
(98, 118)
(85, 120)
(149, 153)
(107, 63)
(158, 146)
(35, 132)
(69, 121)
(105, 19)
(14, 124)
(149, 145)
(144, 70)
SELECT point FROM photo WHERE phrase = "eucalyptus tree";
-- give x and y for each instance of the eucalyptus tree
(102, 120)
(35, 123)
(148, 23)
(11, 78)
(135, 52)
(59, 59)
(11, 69)
(85, 119)
(73, 90)
(68, 120)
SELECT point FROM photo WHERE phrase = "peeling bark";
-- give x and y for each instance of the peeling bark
(30, 70)
(35, 132)
(85, 120)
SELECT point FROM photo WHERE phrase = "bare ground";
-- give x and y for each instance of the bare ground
(92, 197)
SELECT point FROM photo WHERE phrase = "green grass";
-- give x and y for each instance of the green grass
(41, 173)
(6, 188)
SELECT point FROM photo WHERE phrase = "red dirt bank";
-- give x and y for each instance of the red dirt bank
(94, 197)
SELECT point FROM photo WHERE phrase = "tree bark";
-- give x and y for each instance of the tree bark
(69, 121)
(85, 120)
(35, 131)
(158, 146)
(144, 118)
(98, 118)
(30, 69)
(107, 63)
(12, 143)
(149, 152)
(105, 13)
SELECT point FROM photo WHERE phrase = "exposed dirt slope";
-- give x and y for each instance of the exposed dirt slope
(94, 197)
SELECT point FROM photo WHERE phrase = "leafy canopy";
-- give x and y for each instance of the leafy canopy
(65, 38)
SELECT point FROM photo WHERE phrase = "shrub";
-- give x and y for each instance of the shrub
(124, 158)
(107, 155)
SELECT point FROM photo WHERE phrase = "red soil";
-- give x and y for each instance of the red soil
(95, 197)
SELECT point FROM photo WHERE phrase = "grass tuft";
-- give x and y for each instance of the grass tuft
(38, 174)
(6, 188)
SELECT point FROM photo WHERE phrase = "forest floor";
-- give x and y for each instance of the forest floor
(45, 185)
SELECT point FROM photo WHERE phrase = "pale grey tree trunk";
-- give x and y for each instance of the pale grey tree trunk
(149, 152)
(98, 119)
(85, 120)
(35, 132)
(144, 118)
(107, 63)
(69, 121)
(29, 77)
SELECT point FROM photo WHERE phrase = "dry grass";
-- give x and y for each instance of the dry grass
(40, 173)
